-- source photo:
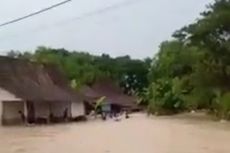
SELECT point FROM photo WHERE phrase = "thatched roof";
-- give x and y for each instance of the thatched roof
(30, 81)
(60, 80)
(112, 92)
(89, 93)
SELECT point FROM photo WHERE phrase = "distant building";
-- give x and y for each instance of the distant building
(35, 93)
(111, 91)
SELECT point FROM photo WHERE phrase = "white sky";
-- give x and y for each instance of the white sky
(136, 29)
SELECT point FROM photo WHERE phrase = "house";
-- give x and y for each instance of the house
(28, 90)
(113, 94)
(90, 98)
(60, 80)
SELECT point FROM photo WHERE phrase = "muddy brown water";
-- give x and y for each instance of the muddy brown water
(139, 134)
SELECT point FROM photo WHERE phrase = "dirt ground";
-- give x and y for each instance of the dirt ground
(139, 134)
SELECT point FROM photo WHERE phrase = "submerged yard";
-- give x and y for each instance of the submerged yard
(139, 134)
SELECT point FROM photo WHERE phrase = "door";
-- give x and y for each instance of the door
(30, 111)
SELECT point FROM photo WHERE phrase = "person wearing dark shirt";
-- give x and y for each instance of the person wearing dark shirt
(23, 118)
(65, 114)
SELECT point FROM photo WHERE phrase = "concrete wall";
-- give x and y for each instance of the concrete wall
(42, 110)
(58, 108)
(77, 109)
(12, 106)
(10, 112)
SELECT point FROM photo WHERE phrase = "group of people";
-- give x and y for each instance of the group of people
(111, 111)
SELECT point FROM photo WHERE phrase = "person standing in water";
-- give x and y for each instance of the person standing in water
(106, 110)
(126, 113)
(23, 118)
(65, 114)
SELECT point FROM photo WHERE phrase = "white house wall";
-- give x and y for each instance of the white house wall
(10, 105)
(77, 109)
(10, 112)
(9, 97)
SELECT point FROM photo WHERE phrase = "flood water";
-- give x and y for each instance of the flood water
(139, 134)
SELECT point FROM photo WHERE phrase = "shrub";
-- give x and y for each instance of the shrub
(164, 99)
(224, 106)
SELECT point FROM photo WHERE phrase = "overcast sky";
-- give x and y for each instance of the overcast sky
(135, 28)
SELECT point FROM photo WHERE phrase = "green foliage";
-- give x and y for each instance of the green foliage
(195, 67)
(82, 68)
(165, 96)
(198, 98)
(99, 102)
(224, 107)
(191, 71)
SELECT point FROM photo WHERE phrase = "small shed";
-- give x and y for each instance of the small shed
(110, 89)
(114, 95)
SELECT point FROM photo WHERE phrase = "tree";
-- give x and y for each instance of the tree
(211, 33)
(197, 63)
(13, 54)
(83, 68)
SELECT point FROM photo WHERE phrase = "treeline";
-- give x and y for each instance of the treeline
(192, 71)
(82, 68)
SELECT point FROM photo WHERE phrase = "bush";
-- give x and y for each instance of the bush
(224, 106)
(199, 98)
(164, 100)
